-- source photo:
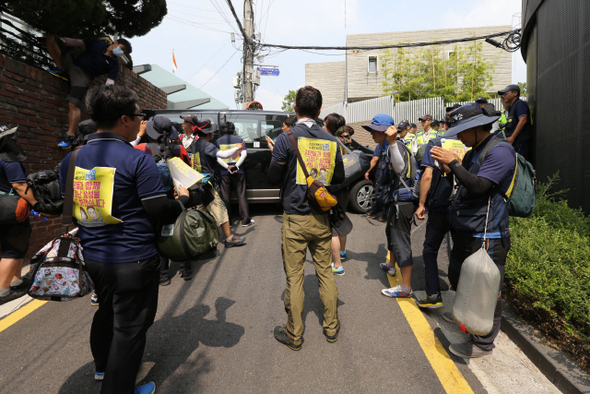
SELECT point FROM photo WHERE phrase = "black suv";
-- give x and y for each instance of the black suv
(252, 127)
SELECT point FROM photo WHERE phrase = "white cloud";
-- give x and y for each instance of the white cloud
(269, 100)
(204, 75)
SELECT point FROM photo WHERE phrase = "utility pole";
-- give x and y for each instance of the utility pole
(248, 60)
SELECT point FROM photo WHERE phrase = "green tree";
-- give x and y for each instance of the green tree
(88, 18)
(289, 101)
(523, 89)
(459, 75)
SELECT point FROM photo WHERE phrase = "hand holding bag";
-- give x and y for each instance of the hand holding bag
(59, 272)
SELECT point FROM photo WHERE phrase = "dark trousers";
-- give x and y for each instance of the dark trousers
(237, 182)
(398, 230)
(128, 299)
(436, 228)
(463, 247)
(524, 148)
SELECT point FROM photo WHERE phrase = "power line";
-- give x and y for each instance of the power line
(220, 68)
(194, 24)
(403, 45)
(233, 11)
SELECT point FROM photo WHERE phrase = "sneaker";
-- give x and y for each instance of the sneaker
(448, 316)
(60, 73)
(12, 295)
(281, 336)
(331, 338)
(94, 299)
(164, 279)
(342, 255)
(234, 241)
(148, 388)
(98, 376)
(186, 271)
(433, 301)
(388, 268)
(468, 350)
(397, 292)
(249, 223)
(337, 271)
(67, 142)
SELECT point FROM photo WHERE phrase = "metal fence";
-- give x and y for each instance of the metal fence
(361, 111)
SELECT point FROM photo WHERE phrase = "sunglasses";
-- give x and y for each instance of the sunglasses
(141, 115)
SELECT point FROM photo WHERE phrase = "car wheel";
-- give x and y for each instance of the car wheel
(362, 197)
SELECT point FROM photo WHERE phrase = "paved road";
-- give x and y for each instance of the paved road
(214, 334)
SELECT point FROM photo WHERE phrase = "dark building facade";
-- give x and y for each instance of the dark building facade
(556, 48)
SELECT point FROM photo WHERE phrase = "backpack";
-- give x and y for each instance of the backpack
(47, 191)
(161, 161)
(520, 196)
(193, 233)
(411, 189)
(13, 209)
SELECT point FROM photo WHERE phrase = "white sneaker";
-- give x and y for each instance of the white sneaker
(388, 268)
(248, 224)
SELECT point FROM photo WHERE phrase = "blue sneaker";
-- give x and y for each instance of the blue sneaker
(60, 73)
(343, 255)
(337, 271)
(67, 142)
(148, 388)
(397, 292)
(99, 376)
(388, 268)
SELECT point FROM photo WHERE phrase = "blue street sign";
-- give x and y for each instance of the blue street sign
(269, 71)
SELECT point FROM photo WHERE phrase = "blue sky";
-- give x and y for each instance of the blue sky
(200, 36)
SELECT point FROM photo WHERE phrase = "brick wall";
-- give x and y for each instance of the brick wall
(35, 101)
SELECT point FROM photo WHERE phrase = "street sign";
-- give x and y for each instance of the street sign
(273, 71)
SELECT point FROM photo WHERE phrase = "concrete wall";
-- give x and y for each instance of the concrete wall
(35, 101)
(363, 85)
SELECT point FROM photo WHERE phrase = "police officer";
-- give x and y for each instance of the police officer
(428, 133)
(478, 193)
(518, 127)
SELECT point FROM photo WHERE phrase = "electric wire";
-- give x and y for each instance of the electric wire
(220, 68)
(194, 24)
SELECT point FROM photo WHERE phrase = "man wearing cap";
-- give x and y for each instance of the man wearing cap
(303, 226)
(188, 138)
(96, 58)
(396, 162)
(482, 101)
(428, 134)
(14, 238)
(478, 193)
(379, 162)
(518, 128)
(204, 157)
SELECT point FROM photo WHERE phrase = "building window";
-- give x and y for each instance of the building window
(372, 65)
(449, 55)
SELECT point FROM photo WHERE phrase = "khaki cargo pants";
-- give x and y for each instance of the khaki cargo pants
(301, 232)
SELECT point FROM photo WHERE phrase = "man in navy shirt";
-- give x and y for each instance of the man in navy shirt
(233, 175)
(518, 128)
(303, 226)
(96, 58)
(479, 191)
(14, 238)
(118, 196)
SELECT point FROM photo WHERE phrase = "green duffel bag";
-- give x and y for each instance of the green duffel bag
(193, 233)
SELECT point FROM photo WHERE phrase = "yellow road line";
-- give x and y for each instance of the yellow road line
(19, 314)
(447, 372)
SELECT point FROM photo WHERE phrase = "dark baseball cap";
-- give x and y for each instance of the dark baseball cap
(401, 126)
(435, 123)
(508, 89)
(380, 123)
(481, 99)
(425, 117)
(158, 126)
(192, 119)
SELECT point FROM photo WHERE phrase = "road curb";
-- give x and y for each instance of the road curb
(556, 366)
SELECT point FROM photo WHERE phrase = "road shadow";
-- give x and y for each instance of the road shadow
(312, 302)
(373, 259)
(171, 344)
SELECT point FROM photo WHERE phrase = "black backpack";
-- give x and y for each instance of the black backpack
(47, 191)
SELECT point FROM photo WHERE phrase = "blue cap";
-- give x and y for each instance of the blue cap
(380, 123)
(160, 124)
